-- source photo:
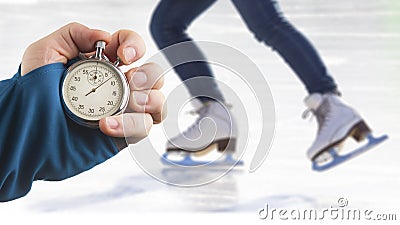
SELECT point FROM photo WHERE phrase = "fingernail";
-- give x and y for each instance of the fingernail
(141, 98)
(139, 79)
(129, 54)
(112, 122)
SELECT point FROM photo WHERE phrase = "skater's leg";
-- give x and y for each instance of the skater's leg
(268, 24)
(168, 26)
(336, 120)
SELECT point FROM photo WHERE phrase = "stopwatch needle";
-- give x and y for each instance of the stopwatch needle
(91, 91)
(94, 89)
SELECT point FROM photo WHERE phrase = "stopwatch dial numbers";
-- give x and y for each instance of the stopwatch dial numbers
(94, 91)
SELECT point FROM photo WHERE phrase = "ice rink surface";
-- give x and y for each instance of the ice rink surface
(360, 43)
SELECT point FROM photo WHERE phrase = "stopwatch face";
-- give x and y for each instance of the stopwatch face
(93, 89)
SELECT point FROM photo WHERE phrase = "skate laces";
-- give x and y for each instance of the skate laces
(322, 115)
(306, 114)
(200, 112)
(203, 109)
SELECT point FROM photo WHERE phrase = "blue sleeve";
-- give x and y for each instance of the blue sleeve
(37, 140)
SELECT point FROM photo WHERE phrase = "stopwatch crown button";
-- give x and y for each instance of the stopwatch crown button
(101, 44)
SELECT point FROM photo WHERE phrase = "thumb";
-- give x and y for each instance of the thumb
(135, 125)
(74, 38)
(62, 45)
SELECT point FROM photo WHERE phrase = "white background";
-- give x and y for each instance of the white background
(360, 43)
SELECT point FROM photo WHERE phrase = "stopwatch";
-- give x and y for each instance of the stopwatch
(93, 88)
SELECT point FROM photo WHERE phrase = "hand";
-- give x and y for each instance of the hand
(145, 105)
(146, 102)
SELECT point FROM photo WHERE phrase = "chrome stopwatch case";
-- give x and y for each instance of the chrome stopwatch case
(94, 88)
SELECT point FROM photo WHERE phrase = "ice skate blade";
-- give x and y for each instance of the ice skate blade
(339, 159)
(189, 162)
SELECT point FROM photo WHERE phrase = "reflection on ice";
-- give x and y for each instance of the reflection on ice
(220, 195)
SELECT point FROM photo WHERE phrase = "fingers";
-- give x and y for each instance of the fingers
(75, 38)
(135, 125)
(60, 46)
(145, 107)
(148, 76)
(148, 101)
(67, 42)
(127, 45)
(144, 83)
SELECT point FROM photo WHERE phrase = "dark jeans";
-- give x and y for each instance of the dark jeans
(172, 18)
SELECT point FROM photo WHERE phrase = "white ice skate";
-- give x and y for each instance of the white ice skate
(336, 122)
(214, 129)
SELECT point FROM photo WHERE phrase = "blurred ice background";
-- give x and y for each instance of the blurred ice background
(359, 41)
